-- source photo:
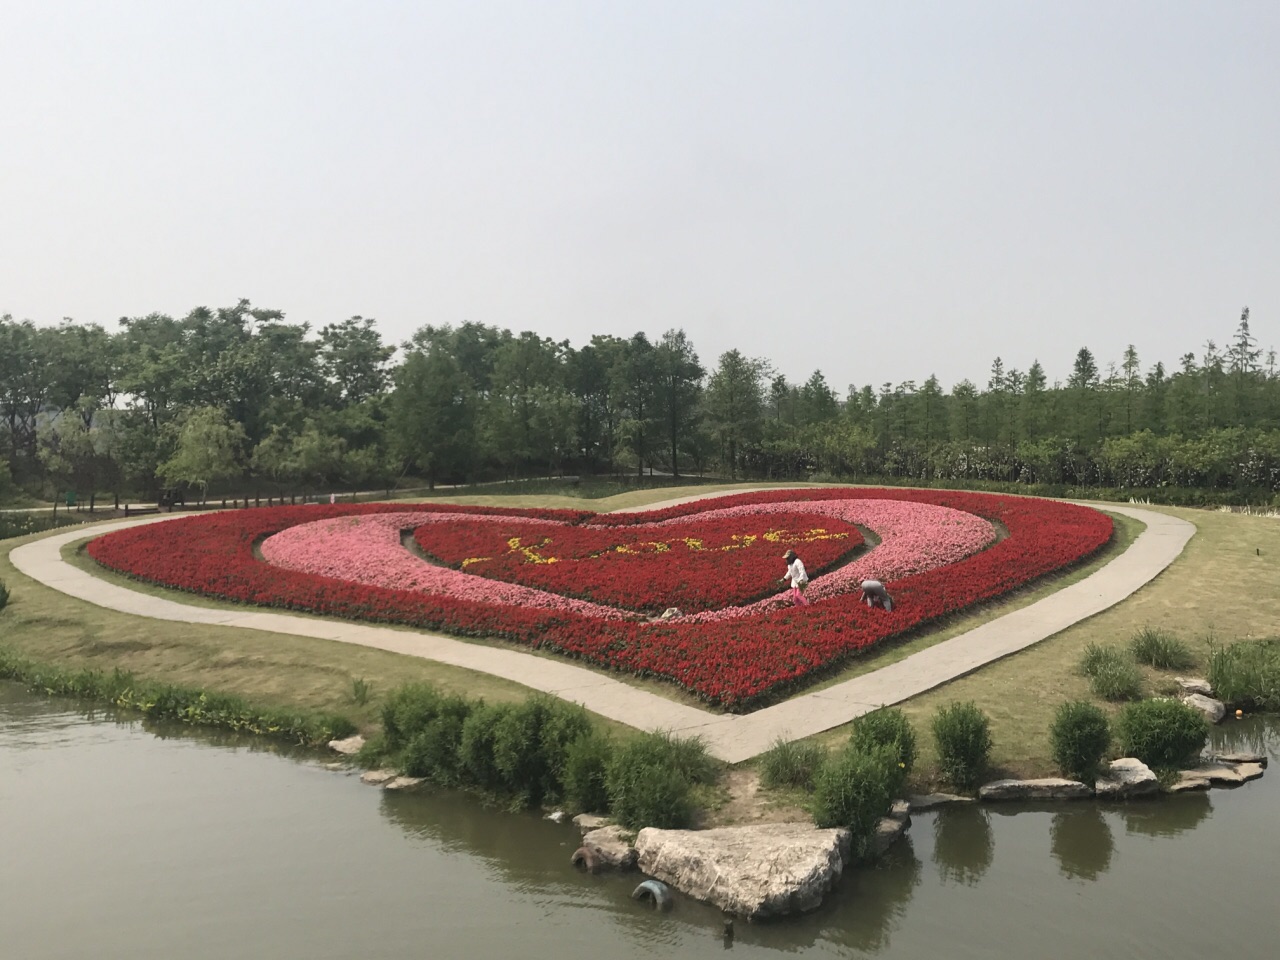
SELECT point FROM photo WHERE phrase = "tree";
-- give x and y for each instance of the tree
(1242, 361)
(208, 450)
(735, 404)
(679, 387)
(817, 401)
(1131, 383)
(635, 379)
(1033, 402)
(432, 421)
(353, 360)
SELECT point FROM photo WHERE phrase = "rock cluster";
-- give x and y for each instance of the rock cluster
(1126, 777)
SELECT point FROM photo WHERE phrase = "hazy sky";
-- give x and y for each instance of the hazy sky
(877, 190)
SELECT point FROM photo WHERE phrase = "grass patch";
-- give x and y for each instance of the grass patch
(1161, 649)
(164, 701)
(1247, 674)
(791, 763)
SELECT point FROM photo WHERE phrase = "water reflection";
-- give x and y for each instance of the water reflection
(873, 900)
(963, 845)
(1166, 816)
(1081, 842)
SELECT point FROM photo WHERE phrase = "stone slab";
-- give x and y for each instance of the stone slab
(1045, 788)
(757, 871)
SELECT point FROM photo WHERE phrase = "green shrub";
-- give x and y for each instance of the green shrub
(887, 726)
(963, 737)
(1080, 737)
(791, 764)
(650, 780)
(1098, 657)
(1247, 674)
(475, 749)
(585, 762)
(4, 595)
(433, 752)
(1161, 733)
(854, 789)
(1117, 680)
(360, 691)
(407, 711)
(1156, 647)
(563, 725)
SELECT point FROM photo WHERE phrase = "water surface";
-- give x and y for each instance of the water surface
(122, 840)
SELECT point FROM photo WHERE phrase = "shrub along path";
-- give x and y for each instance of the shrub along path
(729, 737)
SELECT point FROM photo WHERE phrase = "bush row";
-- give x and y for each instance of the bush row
(162, 701)
(542, 751)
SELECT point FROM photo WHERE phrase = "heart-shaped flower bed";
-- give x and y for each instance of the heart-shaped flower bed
(694, 566)
(938, 551)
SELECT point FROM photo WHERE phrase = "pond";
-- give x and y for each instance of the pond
(125, 840)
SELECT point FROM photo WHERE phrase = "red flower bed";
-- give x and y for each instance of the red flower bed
(735, 663)
(703, 566)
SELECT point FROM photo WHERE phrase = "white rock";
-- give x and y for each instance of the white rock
(901, 810)
(610, 848)
(670, 613)
(927, 801)
(1194, 685)
(1240, 757)
(1126, 777)
(1047, 788)
(762, 870)
(1213, 710)
(1217, 774)
(555, 816)
(404, 783)
(586, 822)
(888, 831)
(377, 777)
(348, 747)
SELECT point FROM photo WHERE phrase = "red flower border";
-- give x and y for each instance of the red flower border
(736, 664)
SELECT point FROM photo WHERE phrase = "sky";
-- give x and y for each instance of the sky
(880, 191)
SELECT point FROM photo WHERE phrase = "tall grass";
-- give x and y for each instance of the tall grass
(962, 734)
(792, 763)
(1247, 674)
(1160, 649)
(854, 788)
(1112, 674)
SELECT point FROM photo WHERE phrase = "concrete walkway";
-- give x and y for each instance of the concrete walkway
(732, 738)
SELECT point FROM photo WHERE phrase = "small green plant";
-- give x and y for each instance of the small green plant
(1160, 649)
(1080, 737)
(1161, 733)
(854, 789)
(585, 785)
(650, 780)
(476, 747)
(791, 763)
(407, 711)
(4, 595)
(1117, 680)
(887, 726)
(1247, 674)
(1099, 657)
(359, 691)
(963, 737)
(434, 751)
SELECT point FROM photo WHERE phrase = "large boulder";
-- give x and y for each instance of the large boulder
(1047, 788)
(586, 822)
(1240, 756)
(1194, 685)
(608, 848)
(377, 778)
(1126, 777)
(762, 870)
(888, 832)
(1216, 773)
(348, 746)
(1213, 710)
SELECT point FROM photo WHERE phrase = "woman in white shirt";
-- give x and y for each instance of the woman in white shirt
(799, 579)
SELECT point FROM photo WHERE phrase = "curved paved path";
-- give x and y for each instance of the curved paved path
(731, 737)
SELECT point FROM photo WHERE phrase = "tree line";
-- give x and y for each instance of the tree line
(240, 399)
